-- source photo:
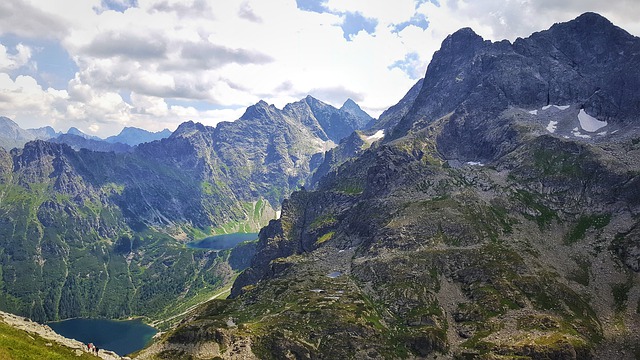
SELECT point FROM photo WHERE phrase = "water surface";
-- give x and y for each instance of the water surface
(121, 337)
(222, 242)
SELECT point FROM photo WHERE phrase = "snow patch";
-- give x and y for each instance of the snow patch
(278, 213)
(589, 123)
(602, 133)
(375, 137)
(559, 107)
(533, 112)
(552, 126)
(577, 133)
(474, 163)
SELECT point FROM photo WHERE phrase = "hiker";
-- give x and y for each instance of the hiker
(96, 349)
(90, 347)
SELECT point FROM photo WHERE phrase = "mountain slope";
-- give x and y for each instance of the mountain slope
(23, 339)
(86, 233)
(489, 224)
(352, 145)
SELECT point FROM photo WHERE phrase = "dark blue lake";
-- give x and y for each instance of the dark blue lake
(222, 242)
(121, 337)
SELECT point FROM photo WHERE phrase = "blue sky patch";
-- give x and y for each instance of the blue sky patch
(54, 67)
(312, 5)
(119, 5)
(355, 22)
(420, 2)
(410, 65)
(418, 20)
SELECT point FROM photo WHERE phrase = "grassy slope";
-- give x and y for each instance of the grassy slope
(18, 345)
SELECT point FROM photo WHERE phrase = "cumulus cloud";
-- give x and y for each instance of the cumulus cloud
(131, 46)
(13, 61)
(246, 12)
(195, 8)
(22, 18)
(206, 55)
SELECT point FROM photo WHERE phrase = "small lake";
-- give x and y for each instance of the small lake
(121, 337)
(222, 242)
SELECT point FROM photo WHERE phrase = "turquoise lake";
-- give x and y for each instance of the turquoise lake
(222, 242)
(121, 337)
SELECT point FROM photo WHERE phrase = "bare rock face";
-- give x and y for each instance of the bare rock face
(494, 219)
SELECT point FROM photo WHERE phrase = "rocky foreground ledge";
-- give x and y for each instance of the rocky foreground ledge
(47, 333)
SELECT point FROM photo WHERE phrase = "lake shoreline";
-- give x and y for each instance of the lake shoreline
(120, 336)
(221, 242)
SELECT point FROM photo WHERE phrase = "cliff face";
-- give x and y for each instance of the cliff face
(498, 218)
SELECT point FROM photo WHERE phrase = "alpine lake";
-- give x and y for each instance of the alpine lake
(127, 336)
(222, 242)
(122, 337)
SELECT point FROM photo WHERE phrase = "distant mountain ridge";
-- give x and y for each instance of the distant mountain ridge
(12, 135)
(78, 142)
(133, 136)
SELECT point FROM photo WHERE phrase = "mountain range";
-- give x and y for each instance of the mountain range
(13, 136)
(90, 233)
(496, 216)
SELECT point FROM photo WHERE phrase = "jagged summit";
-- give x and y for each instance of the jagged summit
(134, 136)
(187, 128)
(364, 119)
(260, 111)
(587, 61)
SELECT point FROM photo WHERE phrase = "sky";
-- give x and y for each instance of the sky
(101, 65)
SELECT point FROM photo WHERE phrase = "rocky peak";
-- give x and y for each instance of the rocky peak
(587, 61)
(44, 133)
(9, 129)
(351, 107)
(260, 111)
(134, 136)
(76, 131)
(460, 42)
(187, 129)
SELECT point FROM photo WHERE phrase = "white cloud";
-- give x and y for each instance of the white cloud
(232, 53)
(14, 61)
